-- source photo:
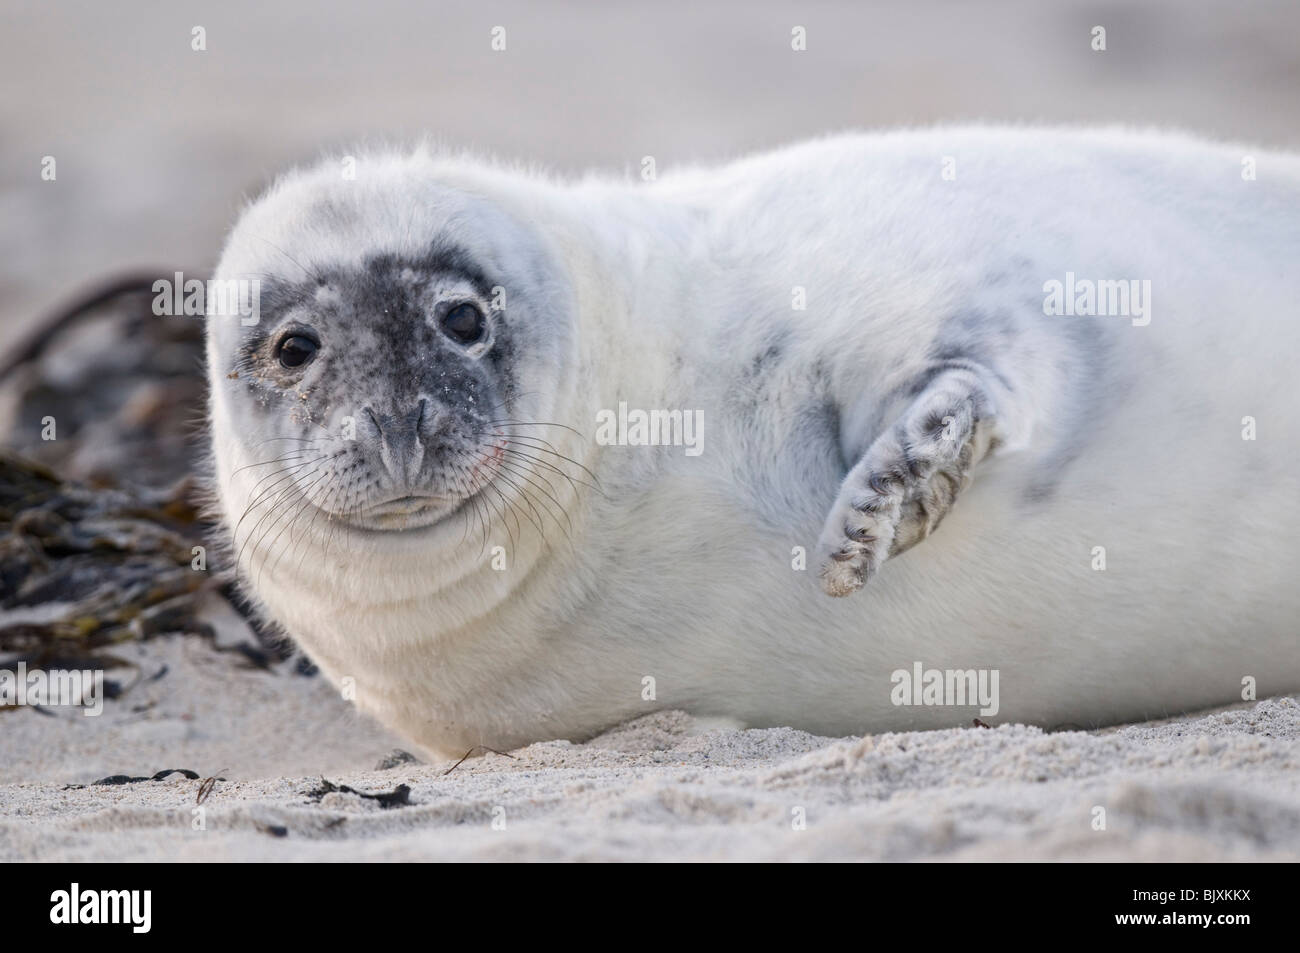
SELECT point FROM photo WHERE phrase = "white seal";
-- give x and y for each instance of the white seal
(517, 459)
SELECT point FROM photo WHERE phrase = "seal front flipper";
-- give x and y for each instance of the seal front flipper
(908, 479)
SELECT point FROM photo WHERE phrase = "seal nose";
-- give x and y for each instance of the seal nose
(400, 448)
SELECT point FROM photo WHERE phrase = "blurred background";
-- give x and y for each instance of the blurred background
(157, 144)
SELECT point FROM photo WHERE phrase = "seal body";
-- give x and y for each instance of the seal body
(1074, 349)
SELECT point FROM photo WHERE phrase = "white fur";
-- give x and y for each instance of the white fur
(682, 570)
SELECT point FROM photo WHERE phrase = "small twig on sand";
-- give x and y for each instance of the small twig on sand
(470, 752)
(206, 786)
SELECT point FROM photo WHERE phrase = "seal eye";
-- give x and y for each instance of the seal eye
(296, 350)
(464, 323)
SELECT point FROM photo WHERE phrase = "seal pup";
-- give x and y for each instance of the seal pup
(1075, 350)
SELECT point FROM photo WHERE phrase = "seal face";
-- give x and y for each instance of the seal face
(382, 387)
(424, 457)
(376, 390)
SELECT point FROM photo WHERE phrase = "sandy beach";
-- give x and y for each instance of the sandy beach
(1222, 785)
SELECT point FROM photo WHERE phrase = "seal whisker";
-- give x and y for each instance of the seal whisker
(297, 454)
(480, 513)
(259, 487)
(501, 513)
(574, 482)
(274, 439)
(522, 474)
(519, 436)
(531, 453)
(531, 472)
(296, 508)
(528, 502)
(311, 525)
(288, 474)
(248, 510)
(335, 520)
(516, 438)
(273, 510)
(466, 489)
(507, 422)
(509, 512)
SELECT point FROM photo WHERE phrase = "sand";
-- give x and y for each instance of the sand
(1222, 785)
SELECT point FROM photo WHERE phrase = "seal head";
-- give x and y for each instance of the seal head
(402, 325)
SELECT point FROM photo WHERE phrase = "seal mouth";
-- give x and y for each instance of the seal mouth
(412, 511)
(404, 512)
(404, 504)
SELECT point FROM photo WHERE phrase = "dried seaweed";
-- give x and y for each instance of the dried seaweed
(82, 569)
(400, 796)
(123, 386)
(99, 515)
